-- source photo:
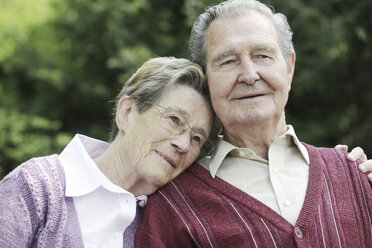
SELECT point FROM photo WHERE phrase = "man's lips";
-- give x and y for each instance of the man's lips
(249, 96)
(166, 158)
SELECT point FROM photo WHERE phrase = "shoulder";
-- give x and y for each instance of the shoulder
(194, 175)
(37, 172)
(326, 155)
(39, 182)
(35, 199)
(334, 164)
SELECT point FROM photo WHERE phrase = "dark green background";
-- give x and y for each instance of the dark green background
(63, 61)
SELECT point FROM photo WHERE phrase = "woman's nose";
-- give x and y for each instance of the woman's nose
(182, 142)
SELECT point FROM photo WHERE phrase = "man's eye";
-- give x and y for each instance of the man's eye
(228, 62)
(262, 56)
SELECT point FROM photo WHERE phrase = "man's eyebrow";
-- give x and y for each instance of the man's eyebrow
(223, 55)
(266, 48)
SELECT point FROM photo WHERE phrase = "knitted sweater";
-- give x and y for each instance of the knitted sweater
(34, 211)
(195, 210)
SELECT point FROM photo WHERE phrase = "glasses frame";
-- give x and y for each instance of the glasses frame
(208, 146)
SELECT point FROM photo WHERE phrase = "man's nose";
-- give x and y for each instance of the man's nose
(247, 71)
(182, 142)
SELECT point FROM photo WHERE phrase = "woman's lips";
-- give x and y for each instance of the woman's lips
(166, 158)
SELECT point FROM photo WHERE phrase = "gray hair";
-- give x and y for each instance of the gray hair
(155, 77)
(234, 8)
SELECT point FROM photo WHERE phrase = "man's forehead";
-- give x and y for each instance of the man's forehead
(221, 37)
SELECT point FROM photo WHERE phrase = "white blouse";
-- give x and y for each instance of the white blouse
(104, 209)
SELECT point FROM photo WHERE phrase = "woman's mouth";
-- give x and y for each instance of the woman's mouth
(166, 158)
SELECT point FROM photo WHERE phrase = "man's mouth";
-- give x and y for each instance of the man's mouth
(167, 158)
(250, 96)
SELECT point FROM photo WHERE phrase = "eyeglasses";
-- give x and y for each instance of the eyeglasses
(178, 125)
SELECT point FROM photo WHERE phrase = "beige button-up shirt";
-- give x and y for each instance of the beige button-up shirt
(279, 182)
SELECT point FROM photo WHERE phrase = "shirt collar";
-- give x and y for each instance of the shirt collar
(82, 174)
(296, 141)
(223, 148)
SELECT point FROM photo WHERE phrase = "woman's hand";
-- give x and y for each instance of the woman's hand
(358, 153)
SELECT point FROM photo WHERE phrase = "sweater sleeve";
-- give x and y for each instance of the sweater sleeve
(15, 216)
(160, 227)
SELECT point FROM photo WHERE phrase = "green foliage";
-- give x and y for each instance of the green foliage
(63, 61)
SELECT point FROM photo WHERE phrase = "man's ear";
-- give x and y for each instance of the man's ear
(123, 111)
(291, 66)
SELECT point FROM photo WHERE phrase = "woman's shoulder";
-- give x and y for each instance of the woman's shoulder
(38, 176)
(36, 169)
(34, 193)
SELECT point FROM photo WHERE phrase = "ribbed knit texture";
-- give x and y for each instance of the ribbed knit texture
(195, 210)
(34, 211)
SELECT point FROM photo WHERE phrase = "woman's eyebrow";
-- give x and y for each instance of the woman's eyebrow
(185, 115)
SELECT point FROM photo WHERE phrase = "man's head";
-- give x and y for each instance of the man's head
(234, 8)
(247, 54)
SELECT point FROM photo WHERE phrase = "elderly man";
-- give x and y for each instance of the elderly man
(261, 187)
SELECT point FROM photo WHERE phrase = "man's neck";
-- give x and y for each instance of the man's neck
(257, 138)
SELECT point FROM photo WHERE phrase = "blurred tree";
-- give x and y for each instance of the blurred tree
(63, 62)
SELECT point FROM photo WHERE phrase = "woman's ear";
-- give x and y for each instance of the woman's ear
(123, 111)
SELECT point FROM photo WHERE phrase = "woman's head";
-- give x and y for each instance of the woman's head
(155, 77)
(163, 119)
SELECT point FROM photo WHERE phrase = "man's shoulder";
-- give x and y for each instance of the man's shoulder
(196, 172)
(324, 152)
(190, 180)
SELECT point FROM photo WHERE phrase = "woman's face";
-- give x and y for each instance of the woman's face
(160, 143)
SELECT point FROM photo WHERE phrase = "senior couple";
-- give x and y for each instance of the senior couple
(261, 187)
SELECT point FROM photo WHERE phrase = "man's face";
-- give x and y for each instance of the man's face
(248, 77)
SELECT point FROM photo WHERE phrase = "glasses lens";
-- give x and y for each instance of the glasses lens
(180, 125)
(175, 119)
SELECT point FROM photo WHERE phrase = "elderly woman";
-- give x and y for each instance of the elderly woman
(87, 196)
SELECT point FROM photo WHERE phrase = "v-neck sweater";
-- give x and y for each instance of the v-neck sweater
(195, 210)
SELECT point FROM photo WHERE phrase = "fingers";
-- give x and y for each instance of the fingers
(357, 153)
(366, 167)
(354, 155)
(342, 147)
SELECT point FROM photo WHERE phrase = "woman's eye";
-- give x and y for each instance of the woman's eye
(174, 119)
(196, 138)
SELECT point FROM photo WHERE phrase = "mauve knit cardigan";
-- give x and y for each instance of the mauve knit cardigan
(195, 210)
(34, 211)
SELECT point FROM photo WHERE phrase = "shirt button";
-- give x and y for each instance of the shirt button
(242, 154)
(298, 232)
(287, 203)
(275, 169)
